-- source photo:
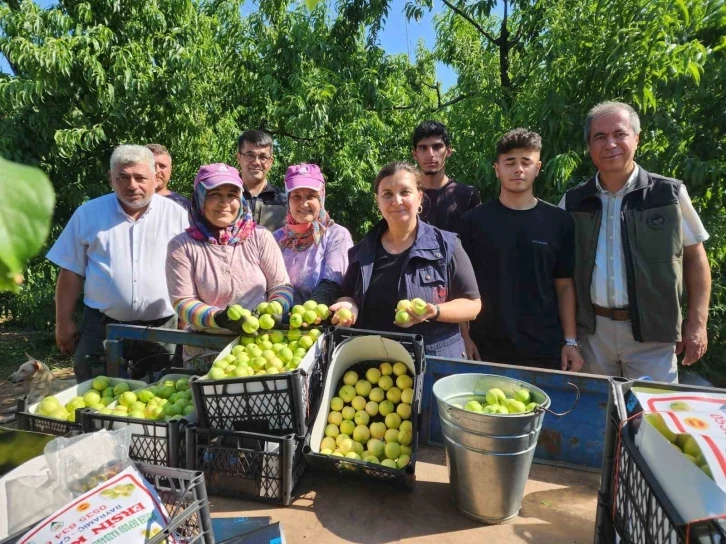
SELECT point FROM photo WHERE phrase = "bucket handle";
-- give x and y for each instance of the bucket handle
(577, 400)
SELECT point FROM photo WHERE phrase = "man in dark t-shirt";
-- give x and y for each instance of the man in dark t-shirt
(522, 251)
(446, 200)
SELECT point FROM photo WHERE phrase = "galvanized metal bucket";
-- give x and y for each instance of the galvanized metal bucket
(489, 456)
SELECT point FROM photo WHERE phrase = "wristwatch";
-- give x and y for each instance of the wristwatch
(438, 312)
(571, 342)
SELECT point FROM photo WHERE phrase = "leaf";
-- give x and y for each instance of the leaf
(26, 208)
(311, 4)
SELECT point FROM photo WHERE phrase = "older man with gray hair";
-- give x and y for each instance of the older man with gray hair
(638, 241)
(114, 248)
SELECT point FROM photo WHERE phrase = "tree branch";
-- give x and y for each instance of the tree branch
(392, 108)
(471, 21)
(517, 36)
(504, 48)
(440, 106)
(292, 136)
(455, 100)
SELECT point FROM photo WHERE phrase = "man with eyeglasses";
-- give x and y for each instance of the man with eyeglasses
(268, 204)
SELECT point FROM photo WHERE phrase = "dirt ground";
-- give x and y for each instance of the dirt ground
(14, 344)
(559, 507)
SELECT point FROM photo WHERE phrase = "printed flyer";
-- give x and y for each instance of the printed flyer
(702, 436)
(681, 401)
(695, 423)
(123, 509)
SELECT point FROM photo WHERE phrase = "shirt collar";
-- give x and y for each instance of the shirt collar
(628, 184)
(154, 199)
(269, 188)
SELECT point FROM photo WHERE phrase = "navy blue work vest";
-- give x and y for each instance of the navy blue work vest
(425, 275)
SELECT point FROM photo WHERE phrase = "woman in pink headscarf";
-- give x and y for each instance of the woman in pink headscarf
(223, 258)
(314, 247)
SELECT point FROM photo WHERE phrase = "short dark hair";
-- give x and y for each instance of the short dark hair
(428, 129)
(519, 138)
(157, 149)
(258, 138)
(393, 168)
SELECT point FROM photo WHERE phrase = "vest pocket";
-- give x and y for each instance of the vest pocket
(431, 284)
(430, 275)
(658, 233)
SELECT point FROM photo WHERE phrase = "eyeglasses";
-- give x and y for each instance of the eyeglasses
(252, 157)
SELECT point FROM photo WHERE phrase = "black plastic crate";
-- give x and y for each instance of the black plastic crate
(153, 442)
(604, 526)
(631, 503)
(279, 403)
(406, 477)
(237, 463)
(184, 494)
(43, 424)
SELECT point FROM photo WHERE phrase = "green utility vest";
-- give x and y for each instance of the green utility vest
(652, 249)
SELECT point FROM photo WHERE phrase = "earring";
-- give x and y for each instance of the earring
(420, 209)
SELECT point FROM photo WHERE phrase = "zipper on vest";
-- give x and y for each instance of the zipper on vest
(630, 276)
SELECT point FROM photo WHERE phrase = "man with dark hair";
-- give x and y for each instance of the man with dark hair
(162, 158)
(639, 241)
(267, 203)
(446, 200)
(522, 250)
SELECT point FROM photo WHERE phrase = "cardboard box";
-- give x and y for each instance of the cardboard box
(348, 353)
(702, 415)
(693, 493)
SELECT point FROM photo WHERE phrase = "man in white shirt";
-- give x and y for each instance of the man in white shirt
(114, 248)
(638, 241)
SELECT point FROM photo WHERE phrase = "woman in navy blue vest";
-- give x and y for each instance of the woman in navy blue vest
(403, 258)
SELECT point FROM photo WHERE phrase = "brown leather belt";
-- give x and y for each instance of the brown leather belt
(616, 314)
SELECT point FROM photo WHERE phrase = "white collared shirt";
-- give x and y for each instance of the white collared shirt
(123, 261)
(609, 286)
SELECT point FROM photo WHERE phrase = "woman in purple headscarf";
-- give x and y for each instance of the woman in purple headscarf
(315, 249)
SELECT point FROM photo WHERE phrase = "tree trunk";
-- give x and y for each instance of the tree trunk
(504, 50)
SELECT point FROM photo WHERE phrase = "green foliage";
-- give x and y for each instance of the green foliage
(666, 58)
(26, 209)
(192, 76)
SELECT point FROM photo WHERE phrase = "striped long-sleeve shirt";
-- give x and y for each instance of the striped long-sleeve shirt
(203, 278)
